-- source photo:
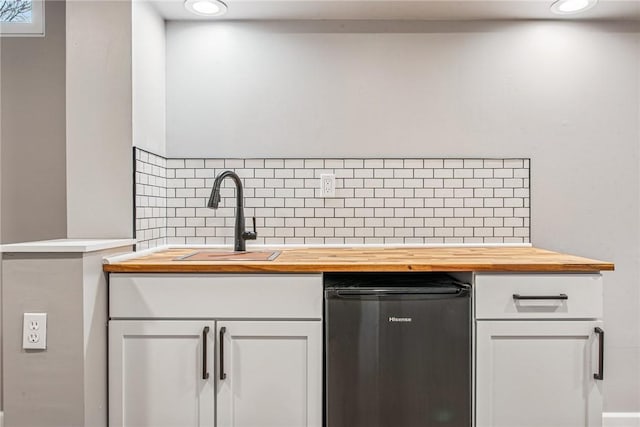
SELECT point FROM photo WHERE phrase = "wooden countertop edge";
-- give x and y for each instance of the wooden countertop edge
(271, 267)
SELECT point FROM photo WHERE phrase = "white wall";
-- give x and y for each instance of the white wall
(564, 94)
(148, 66)
(99, 120)
(320, 89)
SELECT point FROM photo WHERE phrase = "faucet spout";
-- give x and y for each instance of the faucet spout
(214, 199)
(240, 235)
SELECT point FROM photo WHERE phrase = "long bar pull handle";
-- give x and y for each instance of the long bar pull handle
(600, 374)
(205, 374)
(534, 297)
(389, 292)
(222, 332)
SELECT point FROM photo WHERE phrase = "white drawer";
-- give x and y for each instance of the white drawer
(495, 296)
(207, 296)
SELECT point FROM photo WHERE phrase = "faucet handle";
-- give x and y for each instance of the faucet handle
(251, 235)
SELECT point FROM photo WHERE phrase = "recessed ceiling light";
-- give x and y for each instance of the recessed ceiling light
(206, 7)
(568, 7)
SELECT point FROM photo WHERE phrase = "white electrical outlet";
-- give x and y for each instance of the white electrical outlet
(328, 185)
(34, 331)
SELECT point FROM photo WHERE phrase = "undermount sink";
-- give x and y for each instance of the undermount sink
(213, 255)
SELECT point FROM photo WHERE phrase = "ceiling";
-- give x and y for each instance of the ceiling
(428, 10)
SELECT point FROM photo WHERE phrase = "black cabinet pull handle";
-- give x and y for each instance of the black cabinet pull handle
(517, 297)
(205, 374)
(222, 374)
(600, 374)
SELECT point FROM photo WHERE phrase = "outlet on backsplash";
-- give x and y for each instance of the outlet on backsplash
(327, 185)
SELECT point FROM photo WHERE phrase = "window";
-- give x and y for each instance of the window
(22, 17)
(16, 11)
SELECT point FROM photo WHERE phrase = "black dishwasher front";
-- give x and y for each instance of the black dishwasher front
(397, 350)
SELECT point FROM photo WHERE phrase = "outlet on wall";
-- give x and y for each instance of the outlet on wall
(34, 331)
(328, 185)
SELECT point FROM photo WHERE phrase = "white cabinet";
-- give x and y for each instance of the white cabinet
(538, 348)
(513, 296)
(269, 331)
(205, 296)
(161, 373)
(269, 374)
(537, 373)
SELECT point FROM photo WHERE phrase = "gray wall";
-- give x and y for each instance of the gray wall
(564, 94)
(32, 135)
(1, 324)
(67, 136)
(54, 187)
(33, 132)
(55, 376)
(67, 383)
(99, 131)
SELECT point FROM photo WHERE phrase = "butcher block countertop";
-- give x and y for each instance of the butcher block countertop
(390, 259)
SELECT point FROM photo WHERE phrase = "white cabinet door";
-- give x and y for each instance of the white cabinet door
(269, 374)
(537, 373)
(158, 373)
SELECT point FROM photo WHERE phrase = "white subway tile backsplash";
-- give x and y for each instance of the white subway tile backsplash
(374, 163)
(173, 163)
(185, 173)
(273, 163)
(463, 173)
(264, 173)
(433, 163)
(503, 173)
(150, 198)
(443, 173)
(388, 201)
(453, 163)
(521, 173)
(513, 163)
(493, 163)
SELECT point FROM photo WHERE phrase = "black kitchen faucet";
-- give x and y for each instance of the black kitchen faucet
(240, 235)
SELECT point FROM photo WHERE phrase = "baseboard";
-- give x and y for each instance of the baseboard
(609, 419)
(621, 419)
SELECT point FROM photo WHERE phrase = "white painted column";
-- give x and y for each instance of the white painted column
(99, 121)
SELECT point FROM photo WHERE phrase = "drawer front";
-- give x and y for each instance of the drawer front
(562, 296)
(208, 296)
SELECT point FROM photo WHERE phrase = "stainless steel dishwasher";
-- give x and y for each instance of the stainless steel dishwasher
(397, 350)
